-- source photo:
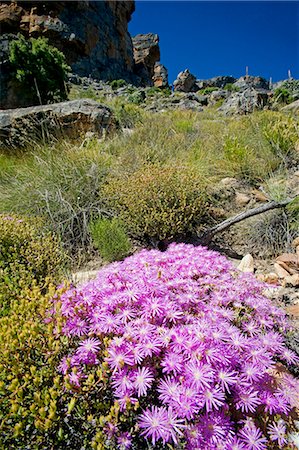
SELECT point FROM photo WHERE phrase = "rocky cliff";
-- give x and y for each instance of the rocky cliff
(92, 34)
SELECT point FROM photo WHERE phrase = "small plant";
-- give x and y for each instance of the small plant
(39, 67)
(283, 95)
(116, 84)
(207, 90)
(109, 237)
(136, 97)
(230, 87)
(158, 202)
(128, 114)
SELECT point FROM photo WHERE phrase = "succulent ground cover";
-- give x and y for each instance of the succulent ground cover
(179, 349)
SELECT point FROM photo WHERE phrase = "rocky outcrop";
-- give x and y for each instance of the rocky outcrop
(292, 107)
(146, 55)
(93, 35)
(185, 82)
(245, 102)
(219, 82)
(251, 82)
(160, 77)
(73, 120)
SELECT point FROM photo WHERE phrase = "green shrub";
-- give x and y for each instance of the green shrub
(283, 95)
(128, 115)
(136, 97)
(207, 90)
(158, 202)
(109, 237)
(154, 91)
(28, 256)
(39, 67)
(230, 87)
(287, 92)
(116, 84)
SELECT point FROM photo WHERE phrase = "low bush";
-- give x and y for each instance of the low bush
(127, 114)
(28, 256)
(109, 237)
(40, 68)
(230, 87)
(287, 92)
(116, 84)
(136, 97)
(158, 202)
(208, 90)
(180, 350)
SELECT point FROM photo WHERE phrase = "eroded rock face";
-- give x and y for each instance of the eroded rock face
(185, 82)
(251, 82)
(73, 119)
(219, 82)
(160, 77)
(146, 55)
(246, 101)
(93, 35)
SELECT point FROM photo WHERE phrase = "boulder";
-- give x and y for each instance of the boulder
(146, 55)
(253, 82)
(219, 82)
(73, 119)
(160, 77)
(245, 102)
(185, 82)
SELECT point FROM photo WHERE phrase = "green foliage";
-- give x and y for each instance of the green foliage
(136, 97)
(127, 114)
(158, 202)
(28, 256)
(287, 92)
(208, 90)
(283, 95)
(109, 237)
(116, 84)
(154, 91)
(230, 87)
(39, 67)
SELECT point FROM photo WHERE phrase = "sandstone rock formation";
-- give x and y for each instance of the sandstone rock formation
(185, 82)
(160, 77)
(146, 55)
(93, 36)
(19, 127)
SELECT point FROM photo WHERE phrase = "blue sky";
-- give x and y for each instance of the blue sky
(223, 37)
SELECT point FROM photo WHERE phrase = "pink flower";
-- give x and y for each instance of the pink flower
(277, 432)
(155, 424)
(143, 381)
(252, 437)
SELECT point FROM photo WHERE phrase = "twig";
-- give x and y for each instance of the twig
(207, 235)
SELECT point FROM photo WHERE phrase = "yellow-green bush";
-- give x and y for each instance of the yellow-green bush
(38, 406)
(158, 202)
(27, 256)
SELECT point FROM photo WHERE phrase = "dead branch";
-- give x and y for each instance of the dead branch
(206, 237)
